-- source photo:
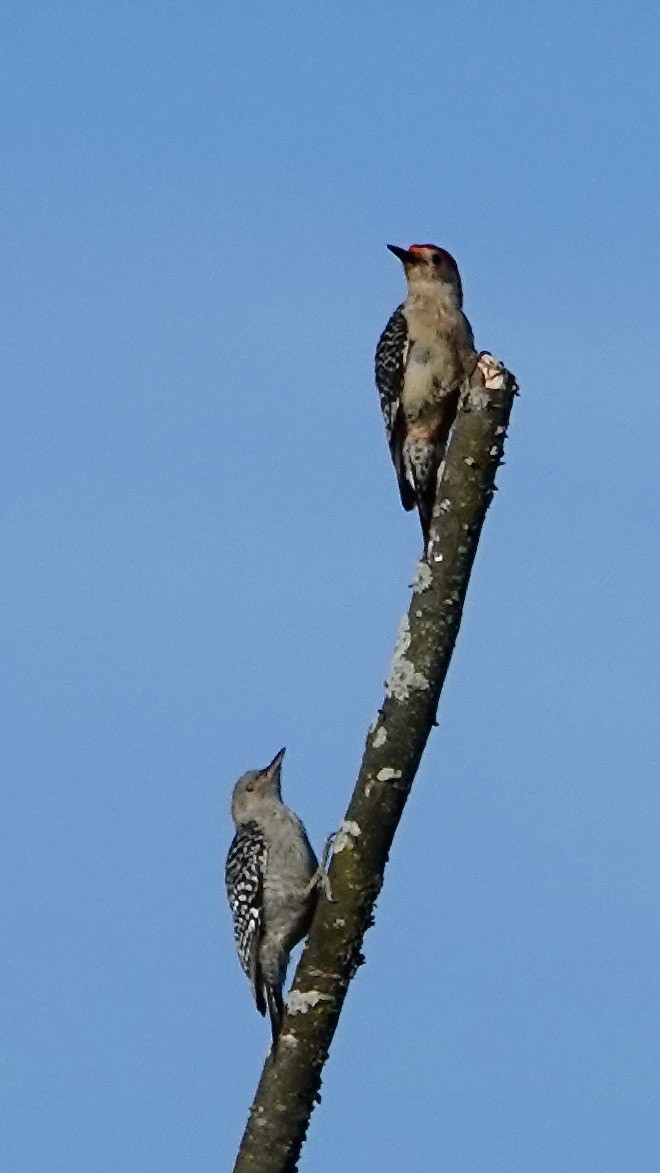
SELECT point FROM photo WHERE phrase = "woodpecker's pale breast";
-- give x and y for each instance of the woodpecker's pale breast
(291, 865)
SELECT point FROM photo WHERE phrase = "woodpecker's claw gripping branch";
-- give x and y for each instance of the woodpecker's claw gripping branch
(321, 879)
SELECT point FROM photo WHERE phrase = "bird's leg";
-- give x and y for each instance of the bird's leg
(321, 877)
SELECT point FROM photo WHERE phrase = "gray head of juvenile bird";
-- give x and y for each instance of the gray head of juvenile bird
(257, 789)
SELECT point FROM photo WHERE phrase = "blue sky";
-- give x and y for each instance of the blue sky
(205, 559)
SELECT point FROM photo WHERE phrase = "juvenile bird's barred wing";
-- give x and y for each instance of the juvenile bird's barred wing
(244, 873)
(390, 364)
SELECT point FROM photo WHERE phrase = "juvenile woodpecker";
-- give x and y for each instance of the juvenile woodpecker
(271, 876)
(423, 357)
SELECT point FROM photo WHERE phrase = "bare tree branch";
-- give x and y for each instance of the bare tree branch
(291, 1078)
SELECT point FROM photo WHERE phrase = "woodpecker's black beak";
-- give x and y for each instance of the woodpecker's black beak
(406, 257)
(275, 764)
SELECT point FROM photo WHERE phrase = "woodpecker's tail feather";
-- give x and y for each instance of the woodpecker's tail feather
(275, 1010)
(425, 512)
(258, 989)
(422, 475)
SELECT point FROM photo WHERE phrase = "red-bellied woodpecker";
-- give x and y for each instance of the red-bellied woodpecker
(423, 357)
(271, 877)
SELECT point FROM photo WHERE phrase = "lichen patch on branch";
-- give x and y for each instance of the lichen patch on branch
(423, 577)
(404, 677)
(300, 1003)
(478, 398)
(348, 831)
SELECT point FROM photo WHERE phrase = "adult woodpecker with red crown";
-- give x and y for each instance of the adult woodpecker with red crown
(423, 359)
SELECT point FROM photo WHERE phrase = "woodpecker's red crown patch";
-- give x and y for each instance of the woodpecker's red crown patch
(418, 248)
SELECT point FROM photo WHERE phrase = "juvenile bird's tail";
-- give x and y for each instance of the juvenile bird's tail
(275, 1010)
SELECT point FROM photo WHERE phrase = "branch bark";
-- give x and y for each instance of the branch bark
(291, 1077)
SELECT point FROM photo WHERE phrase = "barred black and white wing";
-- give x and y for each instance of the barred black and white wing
(244, 875)
(390, 365)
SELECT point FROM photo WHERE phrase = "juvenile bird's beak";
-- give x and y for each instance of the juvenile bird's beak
(274, 766)
(406, 257)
